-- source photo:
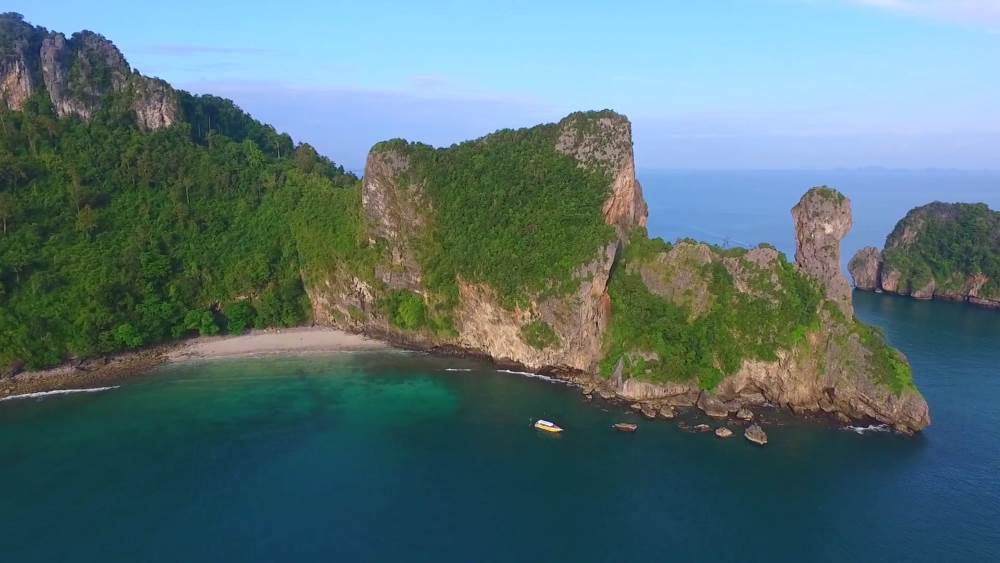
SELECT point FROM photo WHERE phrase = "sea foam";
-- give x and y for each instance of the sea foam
(57, 392)
(457, 369)
(535, 375)
(869, 428)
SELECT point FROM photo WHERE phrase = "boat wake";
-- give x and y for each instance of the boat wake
(535, 375)
(57, 392)
(869, 428)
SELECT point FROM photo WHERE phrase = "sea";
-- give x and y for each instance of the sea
(403, 456)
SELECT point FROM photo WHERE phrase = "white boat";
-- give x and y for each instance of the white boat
(546, 426)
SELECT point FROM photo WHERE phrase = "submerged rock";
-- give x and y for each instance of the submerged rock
(755, 434)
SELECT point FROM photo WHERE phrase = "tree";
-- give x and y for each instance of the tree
(6, 209)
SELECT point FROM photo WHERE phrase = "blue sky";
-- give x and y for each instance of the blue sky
(707, 84)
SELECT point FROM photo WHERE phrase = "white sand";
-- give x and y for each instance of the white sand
(283, 341)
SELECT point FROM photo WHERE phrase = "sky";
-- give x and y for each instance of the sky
(712, 84)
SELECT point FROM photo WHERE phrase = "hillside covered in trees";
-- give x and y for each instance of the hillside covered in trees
(112, 237)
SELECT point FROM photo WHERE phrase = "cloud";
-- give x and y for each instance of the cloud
(977, 12)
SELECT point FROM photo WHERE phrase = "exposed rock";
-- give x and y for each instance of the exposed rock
(668, 412)
(865, 268)
(605, 142)
(723, 432)
(712, 406)
(154, 103)
(636, 406)
(744, 414)
(16, 82)
(701, 428)
(78, 74)
(396, 210)
(671, 393)
(648, 411)
(755, 434)
(822, 218)
(677, 275)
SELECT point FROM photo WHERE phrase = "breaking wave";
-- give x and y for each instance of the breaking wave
(57, 392)
(869, 428)
(457, 369)
(535, 375)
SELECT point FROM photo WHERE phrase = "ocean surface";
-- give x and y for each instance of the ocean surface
(395, 456)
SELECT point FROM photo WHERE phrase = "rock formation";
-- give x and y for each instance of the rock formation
(937, 251)
(399, 212)
(77, 74)
(755, 434)
(822, 218)
(833, 369)
(865, 268)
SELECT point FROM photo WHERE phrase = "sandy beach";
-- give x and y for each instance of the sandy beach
(104, 370)
(267, 342)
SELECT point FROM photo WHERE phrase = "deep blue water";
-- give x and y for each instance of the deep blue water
(388, 457)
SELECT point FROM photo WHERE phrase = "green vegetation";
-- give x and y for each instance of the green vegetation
(509, 211)
(661, 341)
(539, 335)
(828, 193)
(113, 239)
(405, 310)
(891, 368)
(954, 242)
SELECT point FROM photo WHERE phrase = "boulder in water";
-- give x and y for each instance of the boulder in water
(723, 432)
(755, 434)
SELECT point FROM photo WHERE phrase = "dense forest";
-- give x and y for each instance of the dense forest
(113, 238)
(952, 242)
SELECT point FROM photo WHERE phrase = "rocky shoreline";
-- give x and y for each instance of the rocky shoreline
(692, 413)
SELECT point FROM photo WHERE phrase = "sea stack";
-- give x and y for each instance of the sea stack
(822, 219)
(865, 268)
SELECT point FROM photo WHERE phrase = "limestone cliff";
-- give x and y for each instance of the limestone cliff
(730, 327)
(78, 75)
(401, 223)
(822, 218)
(829, 364)
(937, 251)
(866, 268)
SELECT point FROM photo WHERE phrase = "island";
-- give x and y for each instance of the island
(946, 251)
(135, 215)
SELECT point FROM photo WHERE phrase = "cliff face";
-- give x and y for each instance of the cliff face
(828, 364)
(772, 337)
(822, 218)
(400, 219)
(866, 267)
(937, 251)
(77, 74)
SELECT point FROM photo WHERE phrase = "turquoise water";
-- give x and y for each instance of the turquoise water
(389, 457)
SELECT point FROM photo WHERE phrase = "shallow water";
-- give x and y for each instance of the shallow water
(386, 456)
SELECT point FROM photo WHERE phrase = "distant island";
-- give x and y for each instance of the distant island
(948, 251)
(135, 214)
